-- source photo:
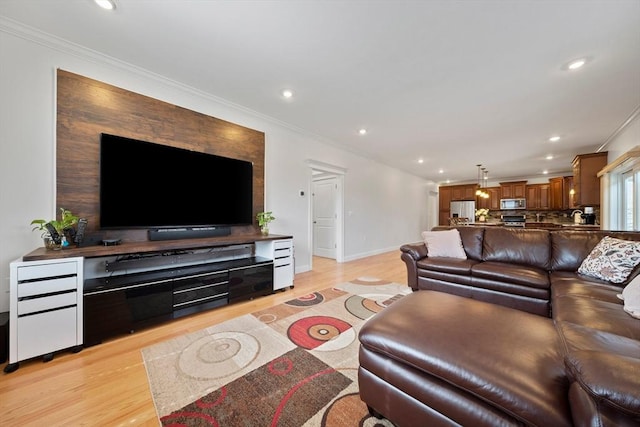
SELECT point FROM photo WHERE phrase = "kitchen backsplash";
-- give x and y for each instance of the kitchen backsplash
(556, 217)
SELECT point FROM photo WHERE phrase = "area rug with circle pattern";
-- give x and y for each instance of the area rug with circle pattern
(294, 364)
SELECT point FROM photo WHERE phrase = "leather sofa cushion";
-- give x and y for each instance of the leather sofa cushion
(587, 410)
(570, 247)
(472, 241)
(412, 398)
(596, 315)
(610, 379)
(564, 283)
(578, 337)
(505, 357)
(447, 265)
(512, 273)
(517, 246)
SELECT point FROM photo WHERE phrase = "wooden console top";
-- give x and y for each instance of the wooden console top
(148, 246)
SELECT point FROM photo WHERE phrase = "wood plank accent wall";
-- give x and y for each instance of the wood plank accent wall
(86, 108)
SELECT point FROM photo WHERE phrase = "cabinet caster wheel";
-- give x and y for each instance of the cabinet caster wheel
(47, 357)
(77, 349)
(11, 367)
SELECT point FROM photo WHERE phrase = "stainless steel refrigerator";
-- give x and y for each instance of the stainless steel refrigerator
(465, 209)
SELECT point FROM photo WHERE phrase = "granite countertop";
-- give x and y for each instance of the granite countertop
(581, 226)
(533, 224)
(542, 224)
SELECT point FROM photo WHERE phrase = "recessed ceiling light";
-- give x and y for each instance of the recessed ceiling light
(448, 181)
(106, 4)
(287, 93)
(420, 161)
(362, 131)
(441, 171)
(578, 63)
(549, 157)
(554, 138)
(544, 172)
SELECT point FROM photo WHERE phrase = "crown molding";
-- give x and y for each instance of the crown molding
(56, 43)
(620, 128)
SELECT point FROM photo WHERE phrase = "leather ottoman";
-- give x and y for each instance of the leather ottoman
(441, 360)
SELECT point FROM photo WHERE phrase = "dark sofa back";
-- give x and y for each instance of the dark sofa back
(570, 247)
(517, 246)
(472, 241)
(552, 250)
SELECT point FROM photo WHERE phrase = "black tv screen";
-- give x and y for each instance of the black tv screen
(148, 185)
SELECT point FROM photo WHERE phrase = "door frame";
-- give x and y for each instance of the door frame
(316, 169)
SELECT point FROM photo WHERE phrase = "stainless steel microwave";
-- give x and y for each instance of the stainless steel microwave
(513, 204)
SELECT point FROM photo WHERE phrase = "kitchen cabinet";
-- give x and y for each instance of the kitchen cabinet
(513, 190)
(557, 192)
(568, 201)
(538, 196)
(586, 183)
(561, 197)
(463, 192)
(444, 205)
(492, 202)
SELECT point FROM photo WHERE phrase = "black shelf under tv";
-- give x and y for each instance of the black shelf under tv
(126, 303)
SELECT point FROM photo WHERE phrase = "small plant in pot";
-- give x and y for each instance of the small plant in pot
(264, 218)
(54, 231)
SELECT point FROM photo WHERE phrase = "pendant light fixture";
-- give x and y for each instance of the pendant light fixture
(482, 178)
(485, 177)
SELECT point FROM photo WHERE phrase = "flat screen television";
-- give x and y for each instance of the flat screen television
(149, 185)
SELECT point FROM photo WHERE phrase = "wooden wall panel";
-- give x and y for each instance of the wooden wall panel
(86, 108)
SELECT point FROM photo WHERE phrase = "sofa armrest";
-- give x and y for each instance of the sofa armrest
(414, 250)
(609, 380)
(411, 253)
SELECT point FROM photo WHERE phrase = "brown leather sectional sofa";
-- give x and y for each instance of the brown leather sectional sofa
(512, 335)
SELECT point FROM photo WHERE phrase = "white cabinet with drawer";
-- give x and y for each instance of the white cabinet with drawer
(45, 308)
(281, 252)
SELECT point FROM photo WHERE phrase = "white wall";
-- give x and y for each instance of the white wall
(625, 140)
(387, 207)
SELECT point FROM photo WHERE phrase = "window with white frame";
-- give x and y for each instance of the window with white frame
(621, 186)
(629, 210)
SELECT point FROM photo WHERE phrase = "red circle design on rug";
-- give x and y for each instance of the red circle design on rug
(280, 366)
(311, 332)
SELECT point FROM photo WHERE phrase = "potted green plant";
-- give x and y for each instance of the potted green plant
(53, 231)
(264, 218)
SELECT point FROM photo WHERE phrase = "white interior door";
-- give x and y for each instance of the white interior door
(325, 195)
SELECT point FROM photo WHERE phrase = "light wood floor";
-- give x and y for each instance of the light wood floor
(106, 385)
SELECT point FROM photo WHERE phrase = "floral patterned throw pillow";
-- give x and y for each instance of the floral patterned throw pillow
(612, 260)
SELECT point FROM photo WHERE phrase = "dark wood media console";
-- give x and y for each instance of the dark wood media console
(135, 285)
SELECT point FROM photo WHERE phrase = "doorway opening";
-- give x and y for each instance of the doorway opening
(326, 211)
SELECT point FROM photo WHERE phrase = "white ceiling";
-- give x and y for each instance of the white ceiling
(453, 82)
